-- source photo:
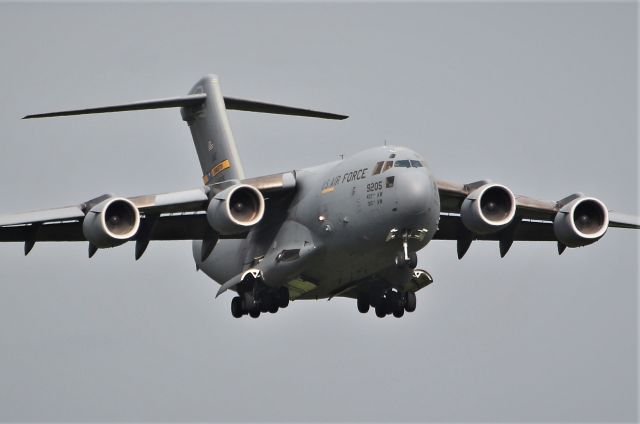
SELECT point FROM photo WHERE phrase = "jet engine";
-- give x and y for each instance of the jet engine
(488, 209)
(581, 222)
(111, 222)
(235, 209)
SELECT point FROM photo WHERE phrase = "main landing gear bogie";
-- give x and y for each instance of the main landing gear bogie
(271, 301)
(392, 302)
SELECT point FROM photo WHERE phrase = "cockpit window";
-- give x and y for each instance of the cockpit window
(403, 164)
(378, 168)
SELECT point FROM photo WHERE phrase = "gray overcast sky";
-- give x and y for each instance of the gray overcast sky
(540, 97)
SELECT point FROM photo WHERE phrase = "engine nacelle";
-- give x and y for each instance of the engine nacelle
(581, 222)
(488, 209)
(235, 209)
(111, 222)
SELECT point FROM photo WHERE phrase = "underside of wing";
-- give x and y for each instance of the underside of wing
(620, 220)
(167, 227)
(452, 228)
(108, 221)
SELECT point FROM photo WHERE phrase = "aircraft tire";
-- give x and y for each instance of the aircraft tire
(413, 260)
(393, 302)
(273, 308)
(410, 302)
(363, 304)
(254, 313)
(236, 307)
(398, 312)
(381, 311)
(283, 297)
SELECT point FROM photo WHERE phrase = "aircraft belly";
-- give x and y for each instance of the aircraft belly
(339, 270)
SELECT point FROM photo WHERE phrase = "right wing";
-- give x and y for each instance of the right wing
(65, 224)
(177, 215)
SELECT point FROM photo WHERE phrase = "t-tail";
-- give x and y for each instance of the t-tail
(205, 111)
(212, 134)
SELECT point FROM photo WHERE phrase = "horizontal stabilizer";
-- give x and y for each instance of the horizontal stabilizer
(190, 100)
(254, 106)
(195, 100)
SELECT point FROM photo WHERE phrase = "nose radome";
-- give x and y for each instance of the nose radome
(413, 192)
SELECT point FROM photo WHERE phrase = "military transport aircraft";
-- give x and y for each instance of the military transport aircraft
(347, 228)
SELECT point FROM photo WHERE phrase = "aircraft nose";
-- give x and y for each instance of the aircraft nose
(413, 190)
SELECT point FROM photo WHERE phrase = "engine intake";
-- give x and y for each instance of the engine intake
(111, 222)
(488, 209)
(581, 222)
(235, 209)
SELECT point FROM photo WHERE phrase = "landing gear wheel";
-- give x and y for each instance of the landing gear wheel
(283, 297)
(410, 302)
(273, 308)
(254, 313)
(402, 262)
(398, 312)
(393, 302)
(413, 260)
(236, 307)
(381, 311)
(363, 304)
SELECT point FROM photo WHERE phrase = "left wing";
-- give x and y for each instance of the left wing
(574, 221)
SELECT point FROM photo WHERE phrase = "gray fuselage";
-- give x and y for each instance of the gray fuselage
(349, 215)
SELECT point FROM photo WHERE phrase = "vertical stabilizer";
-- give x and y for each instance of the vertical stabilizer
(205, 110)
(211, 133)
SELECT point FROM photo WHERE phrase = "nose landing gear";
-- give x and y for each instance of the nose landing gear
(403, 260)
(406, 258)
